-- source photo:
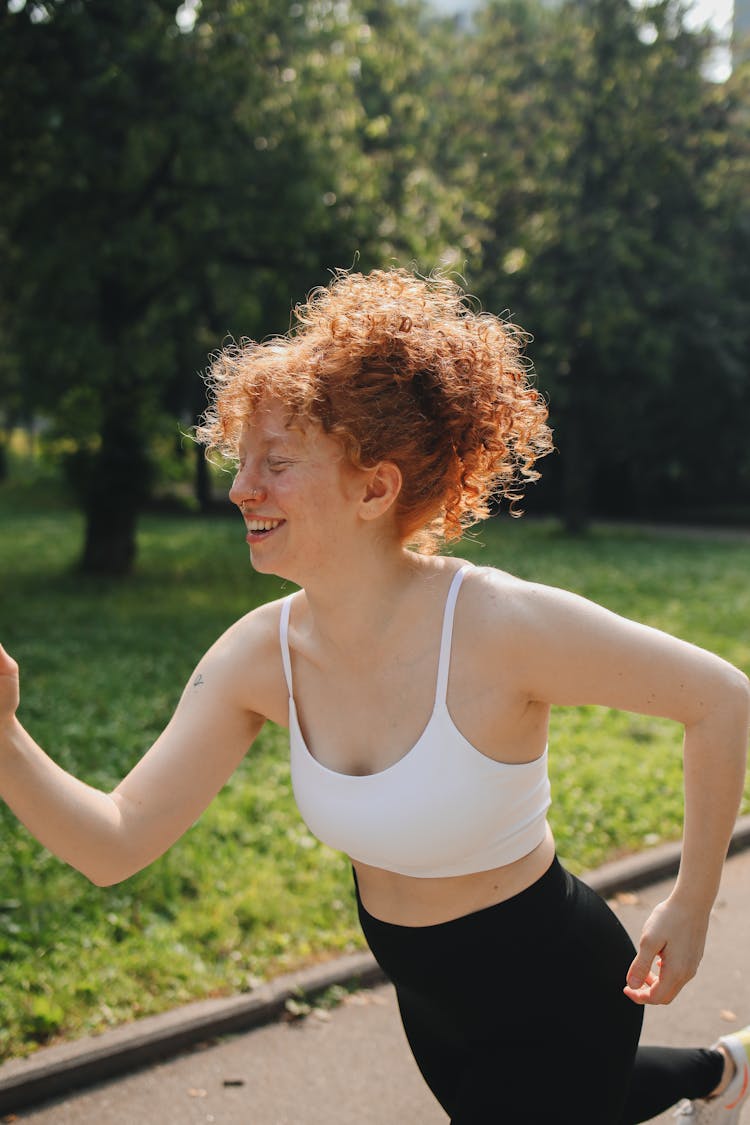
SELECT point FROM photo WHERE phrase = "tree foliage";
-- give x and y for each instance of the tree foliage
(167, 187)
(167, 182)
(611, 190)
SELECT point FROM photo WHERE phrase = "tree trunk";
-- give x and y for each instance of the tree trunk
(575, 483)
(114, 483)
(110, 543)
(576, 438)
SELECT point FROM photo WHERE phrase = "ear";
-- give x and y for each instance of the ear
(382, 486)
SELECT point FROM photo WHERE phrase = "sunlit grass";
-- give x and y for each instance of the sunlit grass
(248, 893)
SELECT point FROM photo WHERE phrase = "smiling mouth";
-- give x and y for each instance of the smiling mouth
(259, 529)
(263, 525)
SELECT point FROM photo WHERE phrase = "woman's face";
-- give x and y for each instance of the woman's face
(296, 491)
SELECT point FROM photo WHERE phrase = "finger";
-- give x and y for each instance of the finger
(672, 979)
(648, 955)
(660, 993)
(660, 987)
(642, 994)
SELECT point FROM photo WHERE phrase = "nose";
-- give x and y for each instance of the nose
(246, 487)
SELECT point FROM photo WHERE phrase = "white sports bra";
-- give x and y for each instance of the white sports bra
(444, 808)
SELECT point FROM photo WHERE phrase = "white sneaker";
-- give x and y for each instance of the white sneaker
(726, 1109)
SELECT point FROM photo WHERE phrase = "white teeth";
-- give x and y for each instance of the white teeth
(262, 525)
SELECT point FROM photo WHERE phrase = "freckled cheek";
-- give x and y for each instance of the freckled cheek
(315, 495)
(303, 486)
(290, 494)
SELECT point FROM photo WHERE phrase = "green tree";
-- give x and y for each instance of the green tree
(165, 187)
(111, 201)
(601, 142)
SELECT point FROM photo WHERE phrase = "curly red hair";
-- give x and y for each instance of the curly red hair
(399, 368)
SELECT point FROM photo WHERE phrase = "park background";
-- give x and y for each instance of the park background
(176, 174)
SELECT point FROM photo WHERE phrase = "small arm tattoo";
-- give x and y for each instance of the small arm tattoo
(198, 681)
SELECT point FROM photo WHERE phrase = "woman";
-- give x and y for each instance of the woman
(417, 692)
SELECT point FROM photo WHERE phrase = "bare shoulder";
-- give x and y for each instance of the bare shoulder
(560, 648)
(512, 619)
(493, 598)
(497, 597)
(247, 659)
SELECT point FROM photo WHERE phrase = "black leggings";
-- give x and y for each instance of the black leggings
(515, 1013)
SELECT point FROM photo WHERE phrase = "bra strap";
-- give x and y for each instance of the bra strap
(286, 605)
(444, 663)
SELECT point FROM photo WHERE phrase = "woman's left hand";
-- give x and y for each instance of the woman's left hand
(670, 951)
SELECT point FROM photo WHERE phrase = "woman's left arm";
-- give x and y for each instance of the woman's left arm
(571, 651)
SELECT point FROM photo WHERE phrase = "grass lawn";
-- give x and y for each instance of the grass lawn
(248, 893)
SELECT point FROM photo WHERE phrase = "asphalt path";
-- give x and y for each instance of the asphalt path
(352, 1066)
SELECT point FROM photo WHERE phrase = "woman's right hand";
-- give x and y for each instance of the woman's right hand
(10, 694)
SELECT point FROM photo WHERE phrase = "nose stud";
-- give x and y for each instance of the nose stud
(252, 496)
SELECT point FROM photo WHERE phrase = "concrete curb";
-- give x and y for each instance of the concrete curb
(53, 1071)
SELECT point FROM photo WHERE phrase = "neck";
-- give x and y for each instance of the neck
(364, 595)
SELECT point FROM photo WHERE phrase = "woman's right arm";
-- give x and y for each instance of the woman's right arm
(110, 836)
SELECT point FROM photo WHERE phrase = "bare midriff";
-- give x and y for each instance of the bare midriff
(404, 900)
